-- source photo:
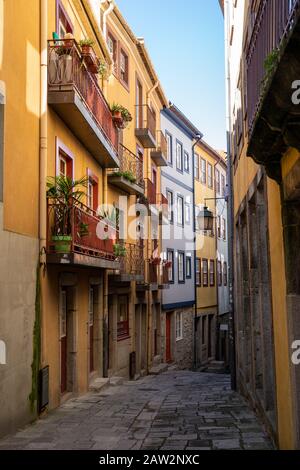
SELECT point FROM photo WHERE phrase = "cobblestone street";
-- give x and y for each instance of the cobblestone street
(176, 410)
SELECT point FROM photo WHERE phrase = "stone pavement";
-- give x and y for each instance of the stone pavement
(176, 410)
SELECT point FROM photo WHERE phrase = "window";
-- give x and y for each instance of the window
(179, 162)
(198, 272)
(197, 176)
(187, 210)
(186, 162)
(170, 206)
(180, 210)
(123, 323)
(203, 171)
(222, 185)
(219, 226)
(181, 267)
(64, 160)
(219, 273)
(217, 177)
(223, 228)
(209, 176)
(211, 273)
(92, 193)
(179, 329)
(188, 269)
(205, 272)
(63, 22)
(124, 69)
(169, 148)
(225, 280)
(113, 47)
(170, 257)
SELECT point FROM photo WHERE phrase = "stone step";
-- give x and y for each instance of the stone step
(156, 370)
(98, 384)
(116, 380)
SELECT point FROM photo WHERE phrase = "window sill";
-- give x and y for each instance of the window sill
(179, 339)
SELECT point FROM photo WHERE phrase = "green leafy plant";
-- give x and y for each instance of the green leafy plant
(65, 193)
(83, 229)
(103, 68)
(110, 216)
(128, 175)
(116, 108)
(126, 114)
(86, 42)
(119, 250)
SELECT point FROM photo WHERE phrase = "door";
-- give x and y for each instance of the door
(91, 328)
(154, 179)
(63, 340)
(210, 321)
(168, 337)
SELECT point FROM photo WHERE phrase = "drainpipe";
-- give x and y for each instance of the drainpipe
(198, 138)
(43, 136)
(105, 15)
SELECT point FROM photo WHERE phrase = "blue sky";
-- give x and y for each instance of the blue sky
(185, 42)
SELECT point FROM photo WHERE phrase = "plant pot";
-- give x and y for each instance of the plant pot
(156, 261)
(86, 49)
(62, 243)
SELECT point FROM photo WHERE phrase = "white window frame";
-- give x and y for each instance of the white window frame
(170, 198)
(187, 211)
(181, 272)
(179, 146)
(180, 216)
(169, 148)
(186, 161)
(179, 326)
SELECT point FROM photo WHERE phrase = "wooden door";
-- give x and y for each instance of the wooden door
(91, 328)
(168, 337)
(63, 340)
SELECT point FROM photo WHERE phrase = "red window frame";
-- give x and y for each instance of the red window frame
(63, 152)
(63, 15)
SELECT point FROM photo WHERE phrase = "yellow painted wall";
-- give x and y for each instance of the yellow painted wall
(19, 70)
(282, 349)
(243, 177)
(206, 245)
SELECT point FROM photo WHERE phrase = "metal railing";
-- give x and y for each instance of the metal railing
(66, 71)
(133, 261)
(145, 119)
(273, 22)
(162, 144)
(89, 234)
(130, 164)
(150, 191)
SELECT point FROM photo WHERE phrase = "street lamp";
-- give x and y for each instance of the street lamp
(205, 219)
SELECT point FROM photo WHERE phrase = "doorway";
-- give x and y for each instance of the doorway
(67, 339)
(168, 337)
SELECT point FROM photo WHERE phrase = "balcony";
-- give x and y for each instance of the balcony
(145, 129)
(160, 154)
(131, 265)
(162, 202)
(273, 64)
(129, 175)
(164, 277)
(74, 94)
(90, 240)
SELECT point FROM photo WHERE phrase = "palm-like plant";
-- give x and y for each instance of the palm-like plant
(65, 193)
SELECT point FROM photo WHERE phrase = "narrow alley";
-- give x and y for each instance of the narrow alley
(177, 410)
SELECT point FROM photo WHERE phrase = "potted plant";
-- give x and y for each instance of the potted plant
(83, 230)
(103, 69)
(156, 261)
(168, 264)
(119, 250)
(107, 231)
(89, 55)
(116, 110)
(86, 46)
(64, 194)
(126, 116)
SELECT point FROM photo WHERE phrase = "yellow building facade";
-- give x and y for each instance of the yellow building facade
(90, 274)
(205, 160)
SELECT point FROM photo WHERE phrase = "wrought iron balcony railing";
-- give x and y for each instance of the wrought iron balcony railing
(130, 168)
(68, 73)
(273, 23)
(145, 127)
(77, 229)
(133, 261)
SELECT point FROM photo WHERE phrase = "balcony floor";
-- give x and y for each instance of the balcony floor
(159, 158)
(125, 185)
(78, 259)
(72, 110)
